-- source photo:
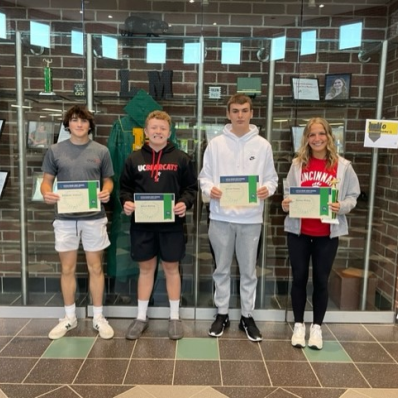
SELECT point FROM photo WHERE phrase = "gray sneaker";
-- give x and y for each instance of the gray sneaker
(136, 329)
(176, 331)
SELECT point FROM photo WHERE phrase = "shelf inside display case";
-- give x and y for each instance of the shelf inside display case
(192, 100)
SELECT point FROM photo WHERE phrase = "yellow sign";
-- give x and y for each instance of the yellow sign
(138, 134)
(381, 133)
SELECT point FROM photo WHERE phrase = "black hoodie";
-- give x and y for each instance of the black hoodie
(167, 171)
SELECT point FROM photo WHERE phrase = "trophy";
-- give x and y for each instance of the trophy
(48, 79)
(333, 198)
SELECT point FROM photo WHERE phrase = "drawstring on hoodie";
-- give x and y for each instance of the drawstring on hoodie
(155, 165)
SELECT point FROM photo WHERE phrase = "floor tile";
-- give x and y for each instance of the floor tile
(102, 371)
(244, 373)
(203, 373)
(196, 328)
(59, 371)
(281, 351)
(176, 391)
(155, 348)
(299, 374)
(136, 392)
(343, 375)
(243, 392)
(26, 391)
(4, 341)
(276, 331)
(383, 332)
(377, 393)
(239, 350)
(70, 347)
(380, 375)
(113, 348)
(14, 370)
(64, 392)
(11, 328)
(350, 332)
(392, 349)
(38, 327)
(367, 352)
(317, 392)
(332, 351)
(159, 371)
(99, 391)
(200, 349)
(26, 347)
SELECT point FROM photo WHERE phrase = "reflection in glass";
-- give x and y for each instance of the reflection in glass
(308, 42)
(3, 33)
(278, 48)
(156, 53)
(350, 35)
(192, 53)
(77, 42)
(230, 53)
(109, 47)
(39, 34)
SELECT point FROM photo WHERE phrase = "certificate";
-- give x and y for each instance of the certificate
(239, 191)
(154, 207)
(310, 202)
(78, 196)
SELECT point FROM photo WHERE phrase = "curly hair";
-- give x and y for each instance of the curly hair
(81, 112)
(305, 152)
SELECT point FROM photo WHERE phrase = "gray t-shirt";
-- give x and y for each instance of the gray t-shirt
(70, 162)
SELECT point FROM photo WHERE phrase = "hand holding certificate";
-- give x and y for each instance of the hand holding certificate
(154, 207)
(310, 202)
(78, 196)
(239, 191)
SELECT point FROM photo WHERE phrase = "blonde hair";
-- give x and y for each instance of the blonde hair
(161, 115)
(305, 152)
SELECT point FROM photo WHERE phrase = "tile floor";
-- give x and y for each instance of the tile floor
(358, 360)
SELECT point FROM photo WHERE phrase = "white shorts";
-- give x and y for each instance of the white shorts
(93, 234)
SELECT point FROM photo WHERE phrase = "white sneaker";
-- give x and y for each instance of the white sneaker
(104, 329)
(315, 341)
(63, 327)
(298, 338)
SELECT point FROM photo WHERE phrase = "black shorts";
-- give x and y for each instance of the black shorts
(169, 246)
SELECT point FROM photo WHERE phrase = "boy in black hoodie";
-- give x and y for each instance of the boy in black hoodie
(158, 168)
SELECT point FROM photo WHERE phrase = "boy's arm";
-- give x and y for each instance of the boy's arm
(205, 175)
(107, 188)
(46, 189)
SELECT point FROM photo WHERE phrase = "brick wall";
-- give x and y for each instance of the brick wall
(255, 22)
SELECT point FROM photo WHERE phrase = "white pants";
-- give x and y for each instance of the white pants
(241, 239)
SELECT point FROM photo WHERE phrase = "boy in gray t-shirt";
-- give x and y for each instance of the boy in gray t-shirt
(88, 165)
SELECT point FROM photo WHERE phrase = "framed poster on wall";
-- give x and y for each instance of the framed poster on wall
(337, 87)
(3, 181)
(305, 88)
(2, 123)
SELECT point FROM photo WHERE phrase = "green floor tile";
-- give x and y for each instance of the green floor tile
(69, 347)
(198, 349)
(332, 351)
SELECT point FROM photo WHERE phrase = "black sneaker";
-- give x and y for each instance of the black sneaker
(218, 326)
(249, 326)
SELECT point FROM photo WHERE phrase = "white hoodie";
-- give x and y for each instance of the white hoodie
(230, 155)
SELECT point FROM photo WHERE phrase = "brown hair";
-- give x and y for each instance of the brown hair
(81, 112)
(161, 115)
(239, 99)
(305, 152)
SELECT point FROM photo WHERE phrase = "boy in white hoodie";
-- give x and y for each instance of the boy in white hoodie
(239, 151)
